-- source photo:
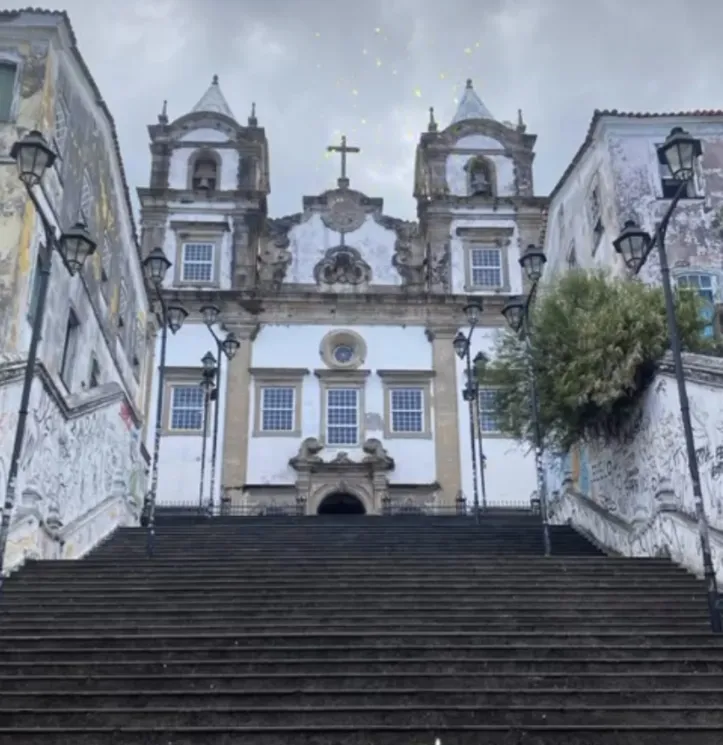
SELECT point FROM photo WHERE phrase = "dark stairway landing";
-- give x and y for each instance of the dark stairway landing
(362, 631)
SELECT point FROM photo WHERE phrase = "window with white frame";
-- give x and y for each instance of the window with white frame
(705, 286)
(342, 416)
(278, 406)
(61, 127)
(197, 262)
(406, 409)
(86, 200)
(487, 410)
(571, 256)
(8, 73)
(70, 348)
(187, 403)
(485, 264)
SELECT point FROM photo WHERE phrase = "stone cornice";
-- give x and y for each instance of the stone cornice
(381, 307)
(698, 368)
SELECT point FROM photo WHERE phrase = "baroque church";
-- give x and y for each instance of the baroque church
(343, 392)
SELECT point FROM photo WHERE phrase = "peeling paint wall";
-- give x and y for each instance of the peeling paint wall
(312, 239)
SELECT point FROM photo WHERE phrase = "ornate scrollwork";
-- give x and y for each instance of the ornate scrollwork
(342, 265)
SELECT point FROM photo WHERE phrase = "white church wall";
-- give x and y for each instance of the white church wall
(504, 167)
(180, 453)
(388, 348)
(504, 219)
(510, 469)
(312, 239)
(219, 224)
(179, 163)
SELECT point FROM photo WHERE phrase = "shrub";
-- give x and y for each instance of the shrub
(595, 344)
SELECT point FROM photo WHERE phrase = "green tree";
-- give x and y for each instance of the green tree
(595, 344)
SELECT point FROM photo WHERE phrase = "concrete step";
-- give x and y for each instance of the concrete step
(159, 649)
(181, 698)
(378, 683)
(586, 734)
(658, 663)
(432, 716)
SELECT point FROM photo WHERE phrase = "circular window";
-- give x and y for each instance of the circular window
(343, 353)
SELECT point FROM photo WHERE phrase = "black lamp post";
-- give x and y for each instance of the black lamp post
(517, 314)
(208, 377)
(680, 151)
(169, 316)
(462, 346)
(226, 347)
(33, 157)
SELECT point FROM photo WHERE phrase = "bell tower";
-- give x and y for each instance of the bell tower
(475, 202)
(208, 187)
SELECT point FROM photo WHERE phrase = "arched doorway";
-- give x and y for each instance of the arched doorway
(341, 503)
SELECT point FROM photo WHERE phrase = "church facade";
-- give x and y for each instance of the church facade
(345, 390)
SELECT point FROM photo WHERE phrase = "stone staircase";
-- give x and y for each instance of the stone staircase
(362, 631)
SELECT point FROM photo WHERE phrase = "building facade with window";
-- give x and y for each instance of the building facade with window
(83, 466)
(617, 176)
(345, 392)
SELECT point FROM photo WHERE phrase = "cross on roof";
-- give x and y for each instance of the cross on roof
(343, 181)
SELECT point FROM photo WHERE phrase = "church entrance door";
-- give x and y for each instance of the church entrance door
(341, 504)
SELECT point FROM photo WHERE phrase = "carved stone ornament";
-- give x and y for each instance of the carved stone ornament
(376, 455)
(308, 454)
(409, 255)
(342, 266)
(343, 213)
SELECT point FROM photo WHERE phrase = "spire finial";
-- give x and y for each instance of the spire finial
(469, 84)
(253, 121)
(215, 80)
(432, 126)
(521, 126)
(163, 116)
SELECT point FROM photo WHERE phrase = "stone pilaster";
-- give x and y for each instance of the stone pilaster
(237, 408)
(446, 415)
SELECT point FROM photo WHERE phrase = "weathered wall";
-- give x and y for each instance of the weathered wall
(640, 484)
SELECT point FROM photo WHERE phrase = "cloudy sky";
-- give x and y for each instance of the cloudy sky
(372, 68)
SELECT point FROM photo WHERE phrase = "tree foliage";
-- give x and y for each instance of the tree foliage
(594, 346)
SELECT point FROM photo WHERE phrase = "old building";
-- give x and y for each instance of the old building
(345, 392)
(617, 176)
(82, 465)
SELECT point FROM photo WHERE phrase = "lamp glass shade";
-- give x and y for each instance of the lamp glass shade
(33, 156)
(533, 261)
(155, 266)
(473, 312)
(514, 311)
(460, 345)
(210, 314)
(230, 345)
(679, 152)
(176, 316)
(480, 364)
(208, 361)
(632, 244)
(76, 246)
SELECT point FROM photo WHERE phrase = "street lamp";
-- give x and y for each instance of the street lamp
(171, 316)
(680, 152)
(226, 347)
(33, 157)
(470, 393)
(208, 376)
(517, 314)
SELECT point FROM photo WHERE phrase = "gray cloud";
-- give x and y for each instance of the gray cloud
(371, 69)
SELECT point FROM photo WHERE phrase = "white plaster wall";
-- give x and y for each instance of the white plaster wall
(510, 471)
(179, 463)
(311, 239)
(492, 150)
(178, 166)
(572, 198)
(388, 348)
(638, 480)
(502, 218)
(214, 216)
